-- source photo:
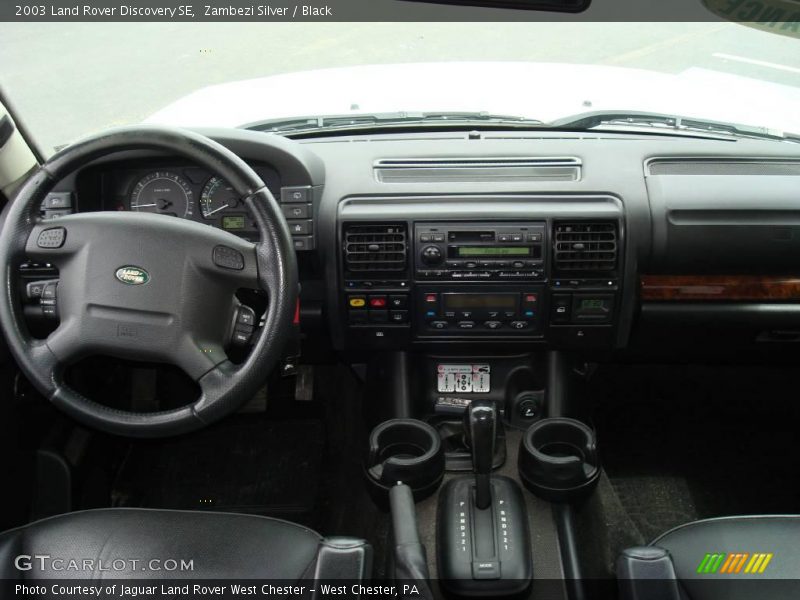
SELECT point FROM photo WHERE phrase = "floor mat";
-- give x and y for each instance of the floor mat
(244, 464)
(694, 442)
(655, 504)
(681, 443)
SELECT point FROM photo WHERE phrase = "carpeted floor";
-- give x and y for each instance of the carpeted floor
(246, 463)
(686, 443)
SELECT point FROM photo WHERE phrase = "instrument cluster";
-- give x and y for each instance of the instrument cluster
(189, 192)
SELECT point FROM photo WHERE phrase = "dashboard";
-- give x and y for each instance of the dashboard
(512, 240)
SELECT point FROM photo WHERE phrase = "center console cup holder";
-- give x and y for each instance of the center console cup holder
(404, 451)
(558, 459)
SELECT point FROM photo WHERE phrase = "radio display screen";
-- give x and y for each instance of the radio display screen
(497, 301)
(464, 251)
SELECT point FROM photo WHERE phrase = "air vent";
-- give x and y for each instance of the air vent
(747, 166)
(585, 246)
(476, 170)
(375, 248)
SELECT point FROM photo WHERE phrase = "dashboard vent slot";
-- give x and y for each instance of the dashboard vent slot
(752, 167)
(584, 246)
(469, 170)
(375, 248)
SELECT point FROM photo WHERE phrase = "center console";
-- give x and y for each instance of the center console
(552, 278)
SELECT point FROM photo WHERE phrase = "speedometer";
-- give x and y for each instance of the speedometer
(163, 192)
(218, 197)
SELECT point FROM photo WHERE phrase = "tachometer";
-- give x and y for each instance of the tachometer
(217, 198)
(164, 193)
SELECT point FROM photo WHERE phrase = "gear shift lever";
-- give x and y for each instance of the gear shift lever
(482, 539)
(480, 425)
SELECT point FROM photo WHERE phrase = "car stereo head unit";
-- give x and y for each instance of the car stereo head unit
(479, 251)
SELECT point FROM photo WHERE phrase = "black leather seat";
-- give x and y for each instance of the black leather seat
(219, 546)
(729, 557)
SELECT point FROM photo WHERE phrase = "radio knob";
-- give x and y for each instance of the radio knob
(431, 255)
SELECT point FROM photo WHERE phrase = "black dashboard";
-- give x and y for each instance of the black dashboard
(556, 240)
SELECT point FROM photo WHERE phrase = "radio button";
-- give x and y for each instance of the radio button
(493, 324)
(528, 313)
(534, 237)
(424, 238)
(430, 314)
(438, 237)
(470, 265)
(439, 324)
(516, 237)
(466, 314)
(519, 324)
(509, 314)
(504, 237)
(466, 324)
(518, 264)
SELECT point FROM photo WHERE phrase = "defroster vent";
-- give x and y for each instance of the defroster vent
(375, 248)
(585, 246)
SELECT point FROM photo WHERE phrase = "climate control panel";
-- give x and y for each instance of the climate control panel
(514, 311)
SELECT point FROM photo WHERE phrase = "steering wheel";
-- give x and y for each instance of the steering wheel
(148, 287)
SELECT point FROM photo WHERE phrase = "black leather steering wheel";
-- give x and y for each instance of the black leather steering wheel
(180, 310)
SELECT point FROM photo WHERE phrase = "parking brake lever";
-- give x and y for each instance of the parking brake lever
(481, 425)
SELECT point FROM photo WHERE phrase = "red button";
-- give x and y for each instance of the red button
(530, 297)
(430, 298)
(377, 302)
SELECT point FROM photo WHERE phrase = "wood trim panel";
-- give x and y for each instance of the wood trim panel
(685, 288)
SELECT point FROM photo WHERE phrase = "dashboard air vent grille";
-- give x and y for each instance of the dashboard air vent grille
(752, 167)
(585, 246)
(379, 248)
(476, 170)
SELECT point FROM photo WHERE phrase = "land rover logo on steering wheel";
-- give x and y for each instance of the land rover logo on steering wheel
(131, 275)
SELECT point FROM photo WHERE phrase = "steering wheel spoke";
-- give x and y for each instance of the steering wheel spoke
(53, 242)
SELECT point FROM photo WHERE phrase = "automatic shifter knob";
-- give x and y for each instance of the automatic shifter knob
(480, 425)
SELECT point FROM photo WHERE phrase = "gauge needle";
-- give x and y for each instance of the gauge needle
(216, 210)
(143, 205)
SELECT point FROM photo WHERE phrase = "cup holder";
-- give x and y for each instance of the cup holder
(407, 451)
(558, 459)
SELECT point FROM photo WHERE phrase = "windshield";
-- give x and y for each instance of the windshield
(67, 80)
